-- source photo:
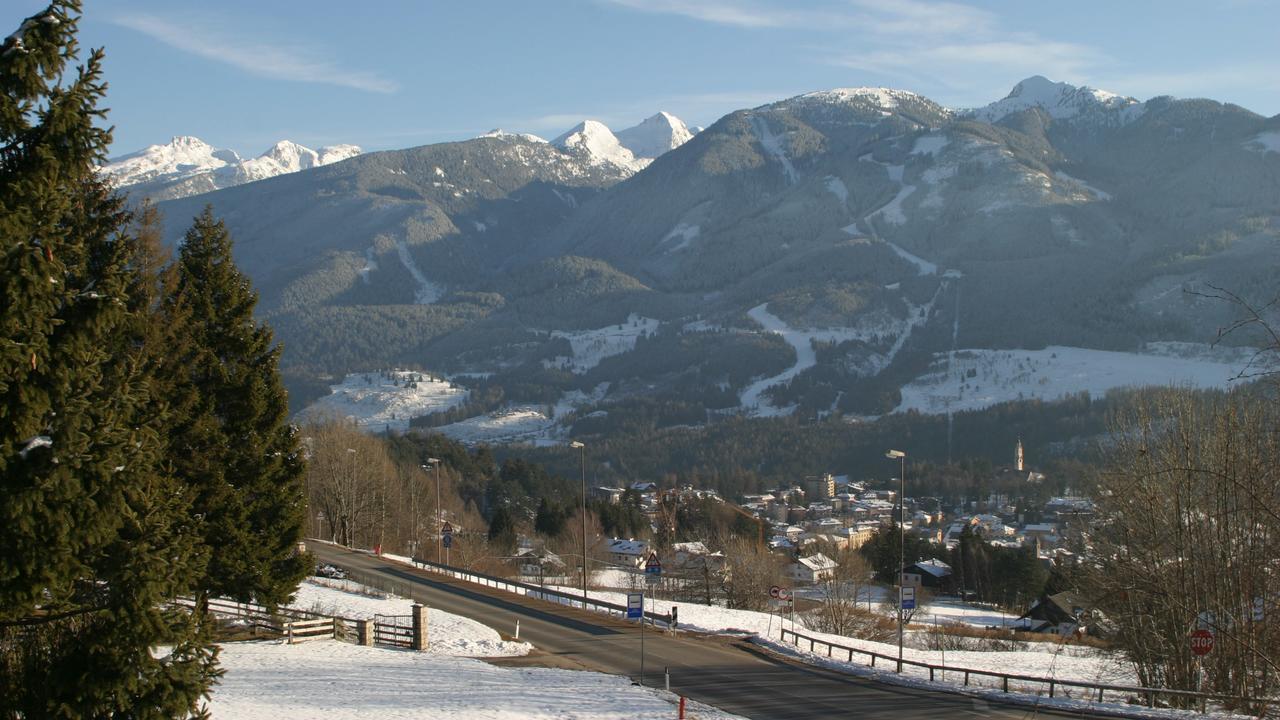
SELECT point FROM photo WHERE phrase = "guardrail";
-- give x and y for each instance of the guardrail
(536, 591)
(500, 583)
(1053, 685)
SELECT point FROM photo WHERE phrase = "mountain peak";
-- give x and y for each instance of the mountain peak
(594, 141)
(1059, 100)
(175, 164)
(655, 135)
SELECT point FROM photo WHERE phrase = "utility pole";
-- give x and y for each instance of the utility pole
(901, 457)
(435, 462)
(582, 451)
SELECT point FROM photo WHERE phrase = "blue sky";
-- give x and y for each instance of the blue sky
(399, 73)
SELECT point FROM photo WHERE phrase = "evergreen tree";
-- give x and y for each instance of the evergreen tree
(94, 535)
(550, 518)
(231, 442)
(502, 531)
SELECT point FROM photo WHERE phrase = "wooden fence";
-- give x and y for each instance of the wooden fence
(1053, 687)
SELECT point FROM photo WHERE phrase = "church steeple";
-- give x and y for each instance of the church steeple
(1017, 456)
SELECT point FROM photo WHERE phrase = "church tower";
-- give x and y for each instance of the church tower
(1017, 457)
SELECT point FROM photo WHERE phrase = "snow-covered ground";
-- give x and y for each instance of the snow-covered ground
(1046, 659)
(379, 400)
(592, 346)
(449, 634)
(427, 292)
(515, 424)
(340, 681)
(1054, 372)
(336, 680)
(769, 142)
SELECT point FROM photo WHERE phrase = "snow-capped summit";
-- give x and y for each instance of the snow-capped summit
(594, 141)
(655, 135)
(189, 166)
(500, 133)
(182, 154)
(885, 98)
(1060, 101)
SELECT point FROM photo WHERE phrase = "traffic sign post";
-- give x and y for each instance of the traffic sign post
(652, 569)
(908, 598)
(1201, 642)
(635, 609)
(446, 539)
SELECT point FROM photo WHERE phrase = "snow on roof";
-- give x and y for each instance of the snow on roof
(819, 562)
(693, 548)
(934, 567)
(628, 546)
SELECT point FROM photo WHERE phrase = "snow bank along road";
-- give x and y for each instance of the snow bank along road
(727, 672)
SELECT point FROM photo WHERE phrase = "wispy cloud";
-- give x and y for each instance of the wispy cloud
(737, 13)
(255, 56)
(939, 44)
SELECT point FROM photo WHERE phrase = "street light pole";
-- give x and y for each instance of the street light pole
(582, 451)
(435, 462)
(901, 457)
(351, 501)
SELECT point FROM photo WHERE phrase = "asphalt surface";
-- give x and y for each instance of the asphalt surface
(729, 673)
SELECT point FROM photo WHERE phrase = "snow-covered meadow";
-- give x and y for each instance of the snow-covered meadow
(592, 346)
(380, 400)
(977, 379)
(272, 680)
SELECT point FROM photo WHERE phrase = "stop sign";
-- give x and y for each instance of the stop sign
(1201, 642)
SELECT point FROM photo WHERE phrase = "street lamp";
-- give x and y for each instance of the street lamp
(901, 457)
(435, 462)
(582, 451)
(351, 500)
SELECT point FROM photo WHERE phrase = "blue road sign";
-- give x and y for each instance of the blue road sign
(447, 540)
(908, 598)
(635, 605)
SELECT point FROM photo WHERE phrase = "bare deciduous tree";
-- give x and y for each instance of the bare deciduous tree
(1188, 536)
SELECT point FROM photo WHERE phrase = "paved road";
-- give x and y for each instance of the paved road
(728, 673)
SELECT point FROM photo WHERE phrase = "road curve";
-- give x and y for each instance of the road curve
(726, 672)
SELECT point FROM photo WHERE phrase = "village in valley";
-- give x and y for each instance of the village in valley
(810, 526)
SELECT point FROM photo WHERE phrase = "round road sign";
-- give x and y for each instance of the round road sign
(1201, 642)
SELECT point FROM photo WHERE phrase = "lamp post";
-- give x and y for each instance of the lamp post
(901, 457)
(351, 500)
(435, 462)
(582, 451)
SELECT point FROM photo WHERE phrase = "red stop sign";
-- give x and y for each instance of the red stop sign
(1201, 642)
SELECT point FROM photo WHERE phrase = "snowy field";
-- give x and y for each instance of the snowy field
(516, 424)
(340, 681)
(334, 680)
(380, 400)
(449, 634)
(592, 346)
(1055, 372)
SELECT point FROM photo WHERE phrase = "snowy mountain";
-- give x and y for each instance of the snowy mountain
(655, 135)
(629, 150)
(595, 142)
(1061, 101)
(187, 166)
(807, 256)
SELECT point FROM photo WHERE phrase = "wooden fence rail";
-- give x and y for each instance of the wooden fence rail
(1053, 686)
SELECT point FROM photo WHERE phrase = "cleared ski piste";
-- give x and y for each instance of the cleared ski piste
(271, 680)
